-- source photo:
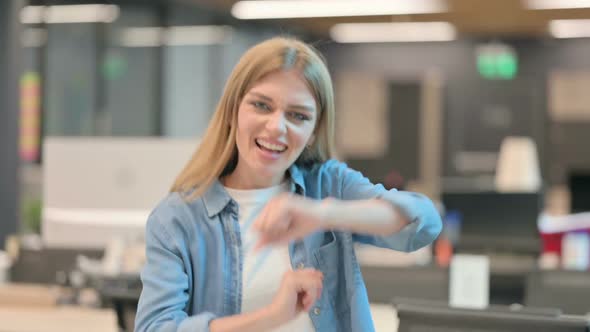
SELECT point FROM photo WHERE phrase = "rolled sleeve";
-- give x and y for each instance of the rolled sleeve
(199, 322)
(424, 227)
(425, 222)
(164, 297)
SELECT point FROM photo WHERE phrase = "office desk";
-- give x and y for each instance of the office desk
(28, 295)
(57, 319)
(423, 282)
(34, 308)
(567, 290)
(122, 293)
(432, 283)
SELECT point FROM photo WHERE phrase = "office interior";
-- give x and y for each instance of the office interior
(481, 105)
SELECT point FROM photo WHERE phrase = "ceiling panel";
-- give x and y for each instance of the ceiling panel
(472, 18)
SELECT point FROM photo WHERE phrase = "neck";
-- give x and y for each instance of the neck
(238, 180)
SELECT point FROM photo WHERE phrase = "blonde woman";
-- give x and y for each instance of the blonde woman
(257, 233)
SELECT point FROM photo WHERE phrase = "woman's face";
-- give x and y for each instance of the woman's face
(276, 120)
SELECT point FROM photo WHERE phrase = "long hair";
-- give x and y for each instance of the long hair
(217, 153)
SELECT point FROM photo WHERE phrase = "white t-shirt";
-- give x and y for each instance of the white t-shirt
(263, 270)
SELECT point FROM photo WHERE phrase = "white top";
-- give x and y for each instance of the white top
(263, 270)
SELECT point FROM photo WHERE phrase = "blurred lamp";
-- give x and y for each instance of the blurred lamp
(517, 169)
(570, 28)
(393, 32)
(555, 4)
(273, 9)
(89, 13)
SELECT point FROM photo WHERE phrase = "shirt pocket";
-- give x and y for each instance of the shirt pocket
(329, 259)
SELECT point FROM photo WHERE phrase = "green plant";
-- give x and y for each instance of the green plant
(31, 215)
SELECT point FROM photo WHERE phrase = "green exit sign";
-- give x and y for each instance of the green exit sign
(497, 61)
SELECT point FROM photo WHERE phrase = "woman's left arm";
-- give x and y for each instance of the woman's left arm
(370, 216)
(400, 220)
(403, 221)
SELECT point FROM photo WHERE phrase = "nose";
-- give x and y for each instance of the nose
(277, 124)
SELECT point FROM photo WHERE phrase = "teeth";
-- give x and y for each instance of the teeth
(270, 146)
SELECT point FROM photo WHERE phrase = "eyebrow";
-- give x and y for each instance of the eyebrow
(307, 108)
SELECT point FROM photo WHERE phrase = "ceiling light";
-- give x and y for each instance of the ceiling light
(69, 14)
(570, 28)
(141, 37)
(32, 14)
(273, 9)
(198, 35)
(393, 32)
(174, 36)
(555, 4)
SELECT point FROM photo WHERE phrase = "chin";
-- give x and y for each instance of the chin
(271, 169)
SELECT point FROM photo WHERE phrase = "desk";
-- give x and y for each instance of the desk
(122, 293)
(57, 319)
(423, 282)
(567, 290)
(507, 280)
(28, 295)
(33, 308)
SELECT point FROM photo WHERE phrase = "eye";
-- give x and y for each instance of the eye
(260, 105)
(299, 116)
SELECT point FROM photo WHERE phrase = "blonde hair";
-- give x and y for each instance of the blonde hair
(216, 155)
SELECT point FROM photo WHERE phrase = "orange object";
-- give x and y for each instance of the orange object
(443, 251)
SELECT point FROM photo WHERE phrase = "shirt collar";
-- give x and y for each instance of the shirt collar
(216, 198)
(297, 179)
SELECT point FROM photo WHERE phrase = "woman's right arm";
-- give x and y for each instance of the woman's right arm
(164, 296)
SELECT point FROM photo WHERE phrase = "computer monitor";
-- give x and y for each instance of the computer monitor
(432, 317)
(95, 189)
(497, 222)
(579, 185)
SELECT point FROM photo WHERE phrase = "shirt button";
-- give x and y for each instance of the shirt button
(316, 311)
(300, 265)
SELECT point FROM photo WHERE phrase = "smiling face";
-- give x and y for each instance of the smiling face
(276, 120)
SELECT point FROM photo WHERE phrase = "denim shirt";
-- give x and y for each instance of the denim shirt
(193, 270)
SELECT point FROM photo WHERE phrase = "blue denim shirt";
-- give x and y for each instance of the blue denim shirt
(193, 271)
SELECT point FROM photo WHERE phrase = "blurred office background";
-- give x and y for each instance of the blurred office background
(481, 105)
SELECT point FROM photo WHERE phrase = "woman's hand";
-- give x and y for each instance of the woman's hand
(299, 291)
(287, 218)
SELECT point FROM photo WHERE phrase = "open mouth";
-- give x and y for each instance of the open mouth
(270, 147)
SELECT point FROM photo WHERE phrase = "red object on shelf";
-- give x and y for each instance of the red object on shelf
(553, 228)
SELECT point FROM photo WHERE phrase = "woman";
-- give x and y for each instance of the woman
(257, 233)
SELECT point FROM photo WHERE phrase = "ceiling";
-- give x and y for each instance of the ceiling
(472, 18)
